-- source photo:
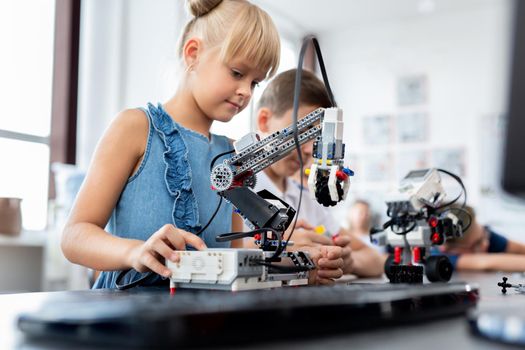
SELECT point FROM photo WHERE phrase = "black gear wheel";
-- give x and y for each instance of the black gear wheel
(322, 193)
(250, 181)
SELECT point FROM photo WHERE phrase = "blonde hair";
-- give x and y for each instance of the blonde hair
(241, 28)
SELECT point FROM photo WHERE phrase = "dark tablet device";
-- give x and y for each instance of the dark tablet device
(193, 318)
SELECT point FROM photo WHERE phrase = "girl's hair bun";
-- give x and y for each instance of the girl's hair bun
(199, 8)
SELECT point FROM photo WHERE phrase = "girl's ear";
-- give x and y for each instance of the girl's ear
(263, 119)
(191, 51)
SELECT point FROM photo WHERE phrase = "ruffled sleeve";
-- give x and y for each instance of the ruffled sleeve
(177, 174)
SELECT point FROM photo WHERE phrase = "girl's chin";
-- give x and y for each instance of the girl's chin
(223, 119)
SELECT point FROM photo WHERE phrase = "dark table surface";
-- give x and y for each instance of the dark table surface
(441, 334)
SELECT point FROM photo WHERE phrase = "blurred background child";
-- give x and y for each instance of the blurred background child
(482, 249)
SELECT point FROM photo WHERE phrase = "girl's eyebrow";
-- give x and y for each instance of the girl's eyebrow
(245, 68)
(242, 65)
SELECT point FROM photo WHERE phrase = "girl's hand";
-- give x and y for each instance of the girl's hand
(330, 260)
(151, 254)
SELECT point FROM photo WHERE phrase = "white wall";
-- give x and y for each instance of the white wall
(461, 53)
(464, 54)
(127, 58)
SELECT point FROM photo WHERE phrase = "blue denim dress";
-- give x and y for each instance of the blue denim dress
(171, 186)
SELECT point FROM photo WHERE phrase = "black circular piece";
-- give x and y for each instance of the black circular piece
(388, 266)
(438, 268)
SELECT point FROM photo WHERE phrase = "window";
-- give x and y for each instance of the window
(27, 36)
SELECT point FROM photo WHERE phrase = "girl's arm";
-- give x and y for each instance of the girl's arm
(514, 247)
(84, 240)
(492, 262)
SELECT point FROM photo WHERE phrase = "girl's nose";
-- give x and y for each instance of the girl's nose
(245, 90)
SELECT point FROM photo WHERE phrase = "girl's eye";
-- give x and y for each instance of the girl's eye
(255, 84)
(236, 74)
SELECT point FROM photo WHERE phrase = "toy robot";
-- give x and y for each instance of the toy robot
(419, 221)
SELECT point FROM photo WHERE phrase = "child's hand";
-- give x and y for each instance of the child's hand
(344, 242)
(150, 255)
(329, 262)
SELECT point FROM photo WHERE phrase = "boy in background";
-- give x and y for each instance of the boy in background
(275, 113)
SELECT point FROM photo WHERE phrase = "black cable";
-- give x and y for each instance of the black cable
(220, 197)
(198, 233)
(323, 71)
(212, 217)
(464, 191)
(218, 156)
(407, 230)
(297, 92)
(230, 236)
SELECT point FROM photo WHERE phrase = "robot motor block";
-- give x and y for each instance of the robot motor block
(236, 270)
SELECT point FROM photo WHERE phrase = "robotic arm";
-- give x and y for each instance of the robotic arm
(328, 179)
(264, 213)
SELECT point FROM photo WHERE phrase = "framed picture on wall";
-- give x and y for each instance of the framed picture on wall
(378, 129)
(412, 90)
(412, 127)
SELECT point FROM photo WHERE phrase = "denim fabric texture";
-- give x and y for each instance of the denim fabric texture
(171, 186)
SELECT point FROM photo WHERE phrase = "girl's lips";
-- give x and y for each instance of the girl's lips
(234, 104)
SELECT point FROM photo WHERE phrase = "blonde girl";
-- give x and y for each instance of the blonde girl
(147, 192)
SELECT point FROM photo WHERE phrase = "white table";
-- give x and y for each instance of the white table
(22, 264)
